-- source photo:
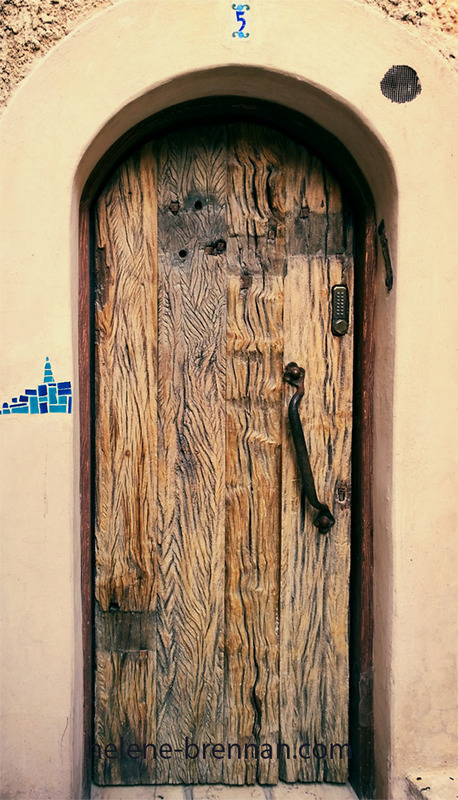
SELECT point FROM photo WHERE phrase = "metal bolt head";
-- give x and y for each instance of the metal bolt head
(295, 372)
(340, 326)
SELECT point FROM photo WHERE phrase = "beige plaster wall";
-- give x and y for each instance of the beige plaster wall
(131, 60)
(30, 28)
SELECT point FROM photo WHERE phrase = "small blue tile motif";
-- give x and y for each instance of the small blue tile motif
(240, 10)
(48, 397)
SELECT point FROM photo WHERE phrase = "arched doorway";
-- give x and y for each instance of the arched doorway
(359, 653)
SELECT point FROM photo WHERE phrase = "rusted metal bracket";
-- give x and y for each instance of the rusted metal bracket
(386, 255)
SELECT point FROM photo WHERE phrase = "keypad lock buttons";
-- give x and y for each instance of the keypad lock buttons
(340, 310)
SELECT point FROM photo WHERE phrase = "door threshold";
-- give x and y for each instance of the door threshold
(282, 791)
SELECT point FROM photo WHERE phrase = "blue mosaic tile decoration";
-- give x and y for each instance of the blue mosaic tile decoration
(48, 397)
(240, 10)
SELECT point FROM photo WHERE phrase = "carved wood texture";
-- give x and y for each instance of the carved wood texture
(221, 612)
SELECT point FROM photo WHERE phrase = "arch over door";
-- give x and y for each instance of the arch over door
(221, 613)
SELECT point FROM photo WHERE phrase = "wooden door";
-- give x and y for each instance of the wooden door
(221, 613)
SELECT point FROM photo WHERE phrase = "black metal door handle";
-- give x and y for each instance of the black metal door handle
(294, 375)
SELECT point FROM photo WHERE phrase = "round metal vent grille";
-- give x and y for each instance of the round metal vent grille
(400, 84)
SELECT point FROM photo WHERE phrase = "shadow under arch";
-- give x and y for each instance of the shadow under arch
(331, 115)
(212, 108)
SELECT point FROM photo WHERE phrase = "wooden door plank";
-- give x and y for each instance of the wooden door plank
(253, 450)
(125, 465)
(315, 567)
(191, 489)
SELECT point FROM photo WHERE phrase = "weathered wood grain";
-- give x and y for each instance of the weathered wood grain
(191, 476)
(125, 385)
(365, 268)
(315, 567)
(125, 468)
(240, 646)
(253, 447)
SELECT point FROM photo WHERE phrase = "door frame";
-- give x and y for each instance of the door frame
(215, 110)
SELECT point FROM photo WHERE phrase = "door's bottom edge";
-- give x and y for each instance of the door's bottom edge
(218, 791)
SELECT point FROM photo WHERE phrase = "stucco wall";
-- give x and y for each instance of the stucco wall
(57, 126)
(30, 28)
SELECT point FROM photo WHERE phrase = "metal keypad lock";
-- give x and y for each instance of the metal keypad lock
(340, 310)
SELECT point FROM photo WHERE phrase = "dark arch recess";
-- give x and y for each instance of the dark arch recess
(220, 110)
